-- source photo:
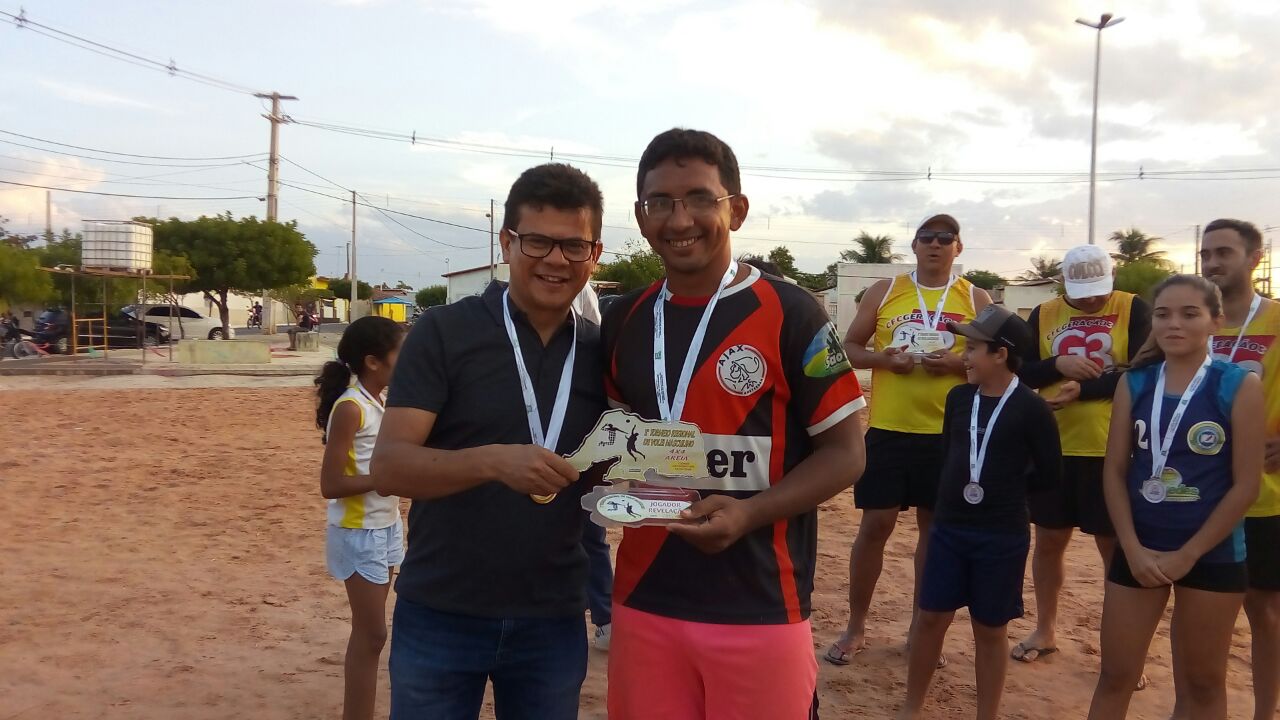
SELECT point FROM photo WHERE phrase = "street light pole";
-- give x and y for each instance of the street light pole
(1104, 22)
(492, 267)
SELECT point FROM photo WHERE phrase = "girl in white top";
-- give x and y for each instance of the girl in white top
(364, 539)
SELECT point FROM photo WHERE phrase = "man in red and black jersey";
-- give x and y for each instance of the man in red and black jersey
(711, 614)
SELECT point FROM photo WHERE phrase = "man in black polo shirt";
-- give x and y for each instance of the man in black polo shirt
(488, 394)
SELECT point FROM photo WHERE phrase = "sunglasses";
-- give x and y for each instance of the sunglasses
(942, 237)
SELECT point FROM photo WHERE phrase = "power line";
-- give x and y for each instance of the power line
(145, 197)
(113, 160)
(22, 22)
(132, 155)
(394, 212)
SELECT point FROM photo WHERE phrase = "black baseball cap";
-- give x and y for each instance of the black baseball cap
(998, 325)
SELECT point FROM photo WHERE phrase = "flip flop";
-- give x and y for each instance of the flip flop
(1143, 682)
(942, 662)
(1022, 653)
(836, 656)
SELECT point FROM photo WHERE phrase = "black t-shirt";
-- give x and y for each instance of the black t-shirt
(490, 551)
(1024, 456)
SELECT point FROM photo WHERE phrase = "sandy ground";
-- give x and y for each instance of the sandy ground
(164, 558)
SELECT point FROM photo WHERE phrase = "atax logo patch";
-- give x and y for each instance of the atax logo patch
(741, 370)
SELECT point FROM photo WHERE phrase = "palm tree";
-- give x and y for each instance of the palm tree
(1133, 245)
(872, 249)
(1043, 268)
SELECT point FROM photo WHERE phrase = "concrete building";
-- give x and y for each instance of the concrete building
(472, 281)
(1022, 298)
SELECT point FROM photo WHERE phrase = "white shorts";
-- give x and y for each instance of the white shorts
(372, 553)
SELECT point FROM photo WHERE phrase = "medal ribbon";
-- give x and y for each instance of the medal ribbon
(1160, 455)
(551, 437)
(931, 323)
(978, 456)
(672, 412)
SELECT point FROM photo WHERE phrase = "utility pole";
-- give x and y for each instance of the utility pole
(492, 270)
(352, 259)
(48, 215)
(1104, 22)
(1197, 249)
(273, 191)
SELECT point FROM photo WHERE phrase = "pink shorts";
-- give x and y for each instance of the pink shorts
(678, 670)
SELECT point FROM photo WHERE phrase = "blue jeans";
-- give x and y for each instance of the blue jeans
(599, 574)
(440, 663)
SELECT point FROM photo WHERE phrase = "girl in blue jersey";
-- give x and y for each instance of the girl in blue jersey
(1184, 460)
(364, 539)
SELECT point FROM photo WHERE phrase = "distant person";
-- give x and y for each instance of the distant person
(1184, 460)
(364, 539)
(914, 363)
(305, 323)
(999, 445)
(1083, 342)
(1229, 255)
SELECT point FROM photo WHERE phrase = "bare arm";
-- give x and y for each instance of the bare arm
(836, 463)
(403, 466)
(1247, 440)
(334, 481)
(861, 330)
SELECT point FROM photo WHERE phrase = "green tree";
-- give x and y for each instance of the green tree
(431, 296)
(636, 267)
(872, 249)
(245, 255)
(786, 262)
(22, 242)
(1133, 245)
(1140, 277)
(21, 279)
(1043, 268)
(402, 285)
(342, 289)
(985, 279)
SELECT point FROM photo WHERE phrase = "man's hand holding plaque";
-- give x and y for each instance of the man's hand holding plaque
(648, 459)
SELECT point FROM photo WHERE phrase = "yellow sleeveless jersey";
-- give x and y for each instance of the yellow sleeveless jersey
(1257, 353)
(914, 403)
(1101, 336)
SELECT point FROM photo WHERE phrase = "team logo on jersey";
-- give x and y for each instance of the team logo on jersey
(741, 370)
(825, 355)
(1206, 438)
(1175, 491)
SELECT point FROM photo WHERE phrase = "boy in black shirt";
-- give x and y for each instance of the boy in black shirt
(999, 443)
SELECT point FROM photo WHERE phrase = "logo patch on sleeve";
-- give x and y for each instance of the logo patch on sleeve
(825, 355)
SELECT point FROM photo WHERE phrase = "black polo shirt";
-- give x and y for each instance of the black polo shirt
(491, 551)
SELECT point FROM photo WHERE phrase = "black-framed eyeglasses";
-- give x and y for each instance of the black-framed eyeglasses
(662, 207)
(539, 246)
(942, 237)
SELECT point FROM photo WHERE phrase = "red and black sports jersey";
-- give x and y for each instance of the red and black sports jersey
(771, 374)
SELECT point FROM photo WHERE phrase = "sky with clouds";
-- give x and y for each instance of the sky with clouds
(847, 115)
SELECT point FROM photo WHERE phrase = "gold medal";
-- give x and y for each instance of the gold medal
(543, 499)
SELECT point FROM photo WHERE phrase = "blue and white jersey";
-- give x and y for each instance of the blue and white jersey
(1199, 469)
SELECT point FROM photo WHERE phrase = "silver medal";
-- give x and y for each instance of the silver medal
(973, 493)
(1154, 491)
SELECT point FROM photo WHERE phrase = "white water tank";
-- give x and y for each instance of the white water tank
(116, 245)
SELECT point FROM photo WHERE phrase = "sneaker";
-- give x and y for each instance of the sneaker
(601, 640)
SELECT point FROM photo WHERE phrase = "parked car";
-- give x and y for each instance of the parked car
(53, 327)
(181, 322)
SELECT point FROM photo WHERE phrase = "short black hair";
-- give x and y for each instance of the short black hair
(684, 144)
(558, 185)
(1248, 231)
(1013, 361)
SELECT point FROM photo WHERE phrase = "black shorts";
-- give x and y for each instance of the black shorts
(1076, 502)
(1225, 577)
(975, 567)
(902, 471)
(1262, 552)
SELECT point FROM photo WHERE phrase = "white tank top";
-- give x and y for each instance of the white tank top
(367, 511)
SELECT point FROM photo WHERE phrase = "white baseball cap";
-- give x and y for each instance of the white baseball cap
(1087, 272)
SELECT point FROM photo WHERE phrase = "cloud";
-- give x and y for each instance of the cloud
(94, 97)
